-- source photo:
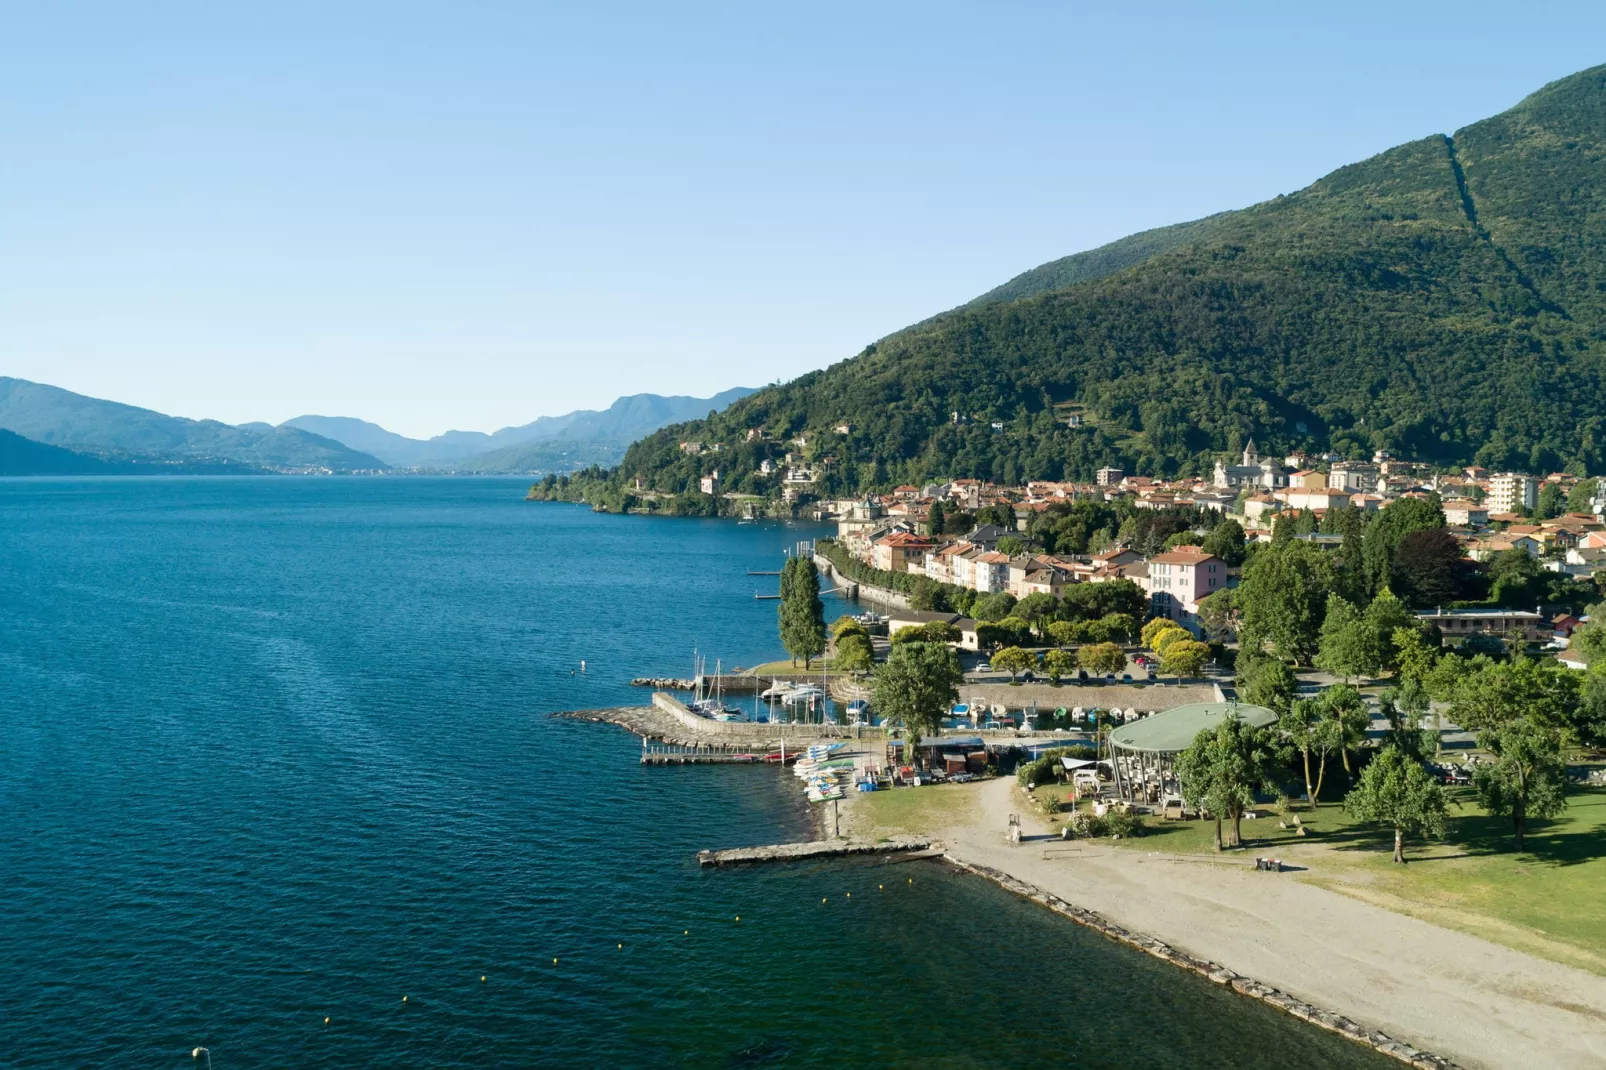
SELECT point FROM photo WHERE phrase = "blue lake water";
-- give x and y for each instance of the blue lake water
(279, 750)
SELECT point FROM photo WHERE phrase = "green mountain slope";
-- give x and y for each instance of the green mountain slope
(1441, 299)
(60, 417)
(1097, 263)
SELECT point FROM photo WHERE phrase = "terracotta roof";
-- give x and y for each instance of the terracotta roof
(1180, 556)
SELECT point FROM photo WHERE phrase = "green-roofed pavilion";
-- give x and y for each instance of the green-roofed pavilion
(1173, 730)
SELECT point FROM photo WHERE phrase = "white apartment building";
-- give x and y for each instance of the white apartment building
(1512, 491)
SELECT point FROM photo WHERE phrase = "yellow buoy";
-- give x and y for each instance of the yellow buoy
(738, 917)
(326, 1021)
(404, 999)
(482, 978)
(554, 962)
(621, 947)
(687, 932)
(883, 887)
(850, 895)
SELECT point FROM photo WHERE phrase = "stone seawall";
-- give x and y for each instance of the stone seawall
(879, 595)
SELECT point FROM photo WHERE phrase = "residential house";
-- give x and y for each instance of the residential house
(1465, 513)
(1180, 579)
(1108, 477)
(1353, 476)
(1307, 479)
(901, 549)
(1459, 623)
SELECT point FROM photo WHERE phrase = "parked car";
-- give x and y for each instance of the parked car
(1126, 678)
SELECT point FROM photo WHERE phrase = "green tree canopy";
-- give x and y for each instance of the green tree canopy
(995, 606)
(1526, 780)
(1223, 767)
(1226, 541)
(854, 653)
(1059, 663)
(1349, 644)
(1283, 598)
(1014, 660)
(1396, 792)
(1428, 568)
(1101, 658)
(1184, 658)
(917, 685)
(802, 614)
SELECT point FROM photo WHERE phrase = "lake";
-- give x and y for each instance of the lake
(279, 750)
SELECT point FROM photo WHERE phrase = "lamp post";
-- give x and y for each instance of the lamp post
(198, 1052)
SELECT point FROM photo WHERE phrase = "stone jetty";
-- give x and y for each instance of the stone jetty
(799, 852)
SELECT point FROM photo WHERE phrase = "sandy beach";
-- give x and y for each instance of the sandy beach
(1479, 1003)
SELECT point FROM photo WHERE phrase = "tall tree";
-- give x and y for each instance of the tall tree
(1396, 792)
(1226, 541)
(1550, 502)
(1349, 644)
(1526, 780)
(1282, 600)
(1385, 616)
(1267, 682)
(1346, 711)
(936, 518)
(1428, 568)
(1223, 767)
(1184, 658)
(802, 614)
(917, 685)
(1388, 527)
(1579, 498)
(1303, 726)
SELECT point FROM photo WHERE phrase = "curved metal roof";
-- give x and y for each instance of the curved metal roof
(1173, 730)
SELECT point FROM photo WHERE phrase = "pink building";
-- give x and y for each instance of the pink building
(1182, 578)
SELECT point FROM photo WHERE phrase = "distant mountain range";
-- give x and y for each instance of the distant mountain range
(573, 440)
(55, 431)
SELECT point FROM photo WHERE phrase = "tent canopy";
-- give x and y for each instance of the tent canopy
(1174, 730)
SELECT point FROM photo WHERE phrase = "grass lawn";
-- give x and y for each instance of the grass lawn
(878, 815)
(1548, 901)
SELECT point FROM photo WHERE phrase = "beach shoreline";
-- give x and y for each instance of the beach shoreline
(1400, 984)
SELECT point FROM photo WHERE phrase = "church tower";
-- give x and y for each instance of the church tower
(1251, 455)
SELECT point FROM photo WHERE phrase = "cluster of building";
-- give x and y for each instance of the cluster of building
(1485, 511)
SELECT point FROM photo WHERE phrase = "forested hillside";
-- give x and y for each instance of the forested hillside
(1445, 299)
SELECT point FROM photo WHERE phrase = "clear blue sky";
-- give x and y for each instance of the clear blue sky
(471, 214)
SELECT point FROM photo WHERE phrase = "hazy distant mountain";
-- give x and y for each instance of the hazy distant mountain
(24, 457)
(57, 417)
(551, 443)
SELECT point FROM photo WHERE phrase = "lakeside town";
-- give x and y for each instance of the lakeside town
(1314, 667)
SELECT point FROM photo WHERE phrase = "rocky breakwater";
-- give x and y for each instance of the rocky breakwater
(664, 683)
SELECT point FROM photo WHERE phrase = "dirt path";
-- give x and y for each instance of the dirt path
(1479, 1003)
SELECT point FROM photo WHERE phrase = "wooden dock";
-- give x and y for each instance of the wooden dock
(800, 852)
